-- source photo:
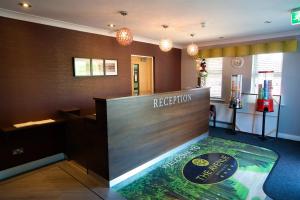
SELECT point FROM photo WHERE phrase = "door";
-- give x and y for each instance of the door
(142, 75)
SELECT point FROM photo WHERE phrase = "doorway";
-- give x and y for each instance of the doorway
(142, 81)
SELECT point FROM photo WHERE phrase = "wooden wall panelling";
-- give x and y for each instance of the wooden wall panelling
(137, 132)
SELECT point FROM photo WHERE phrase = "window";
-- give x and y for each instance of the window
(214, 67)
(267, 62)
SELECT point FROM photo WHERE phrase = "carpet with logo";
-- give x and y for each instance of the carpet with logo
(211, 169)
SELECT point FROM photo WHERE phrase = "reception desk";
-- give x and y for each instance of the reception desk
(137, 129)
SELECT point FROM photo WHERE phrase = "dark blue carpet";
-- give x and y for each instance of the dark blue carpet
(283, 183)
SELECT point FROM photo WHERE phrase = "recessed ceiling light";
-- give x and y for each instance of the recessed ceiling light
(268, 22)
(24, 5)
(111, 25)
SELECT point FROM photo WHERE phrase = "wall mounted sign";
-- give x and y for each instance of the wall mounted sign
(295, 16)
(97, 67)
(94, 67)
(171, 100)
(82, 66)
(111, 67)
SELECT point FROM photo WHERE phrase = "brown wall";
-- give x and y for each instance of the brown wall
(36, 76)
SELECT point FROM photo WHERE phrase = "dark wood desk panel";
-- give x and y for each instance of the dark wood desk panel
(137, 132)
(97, 148)
(85, 143)
(37, 142)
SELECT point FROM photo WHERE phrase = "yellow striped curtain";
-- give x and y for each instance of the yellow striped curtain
(205, 53)
(258, 48)
(217, 52)
(274, 47)
(245, 50)
(229, 51)
(242, 50)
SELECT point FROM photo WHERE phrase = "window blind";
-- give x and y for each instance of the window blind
(267, 62)
(214, 77)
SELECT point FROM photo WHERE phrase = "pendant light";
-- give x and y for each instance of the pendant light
(123, 35)
(192, 49)
(165, 44)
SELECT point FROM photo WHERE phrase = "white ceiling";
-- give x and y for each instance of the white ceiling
(231, 19)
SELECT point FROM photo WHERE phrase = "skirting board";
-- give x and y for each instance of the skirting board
(280, 134)
(7, 173)
(284, 136)
(289, 136)
(221, 124)
(155, 160)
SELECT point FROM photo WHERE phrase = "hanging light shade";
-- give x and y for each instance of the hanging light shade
(165, 44)
(192, 49)
(124, 36)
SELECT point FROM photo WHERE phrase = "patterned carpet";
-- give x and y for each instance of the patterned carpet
(211, 169)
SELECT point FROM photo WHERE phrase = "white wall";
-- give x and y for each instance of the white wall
(290, 112)
(247, 120)
(228, 70)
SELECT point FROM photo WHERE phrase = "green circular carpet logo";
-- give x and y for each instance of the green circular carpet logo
(210, 168)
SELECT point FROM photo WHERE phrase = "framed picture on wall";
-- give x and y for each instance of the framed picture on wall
(97, 67)
(82, 66)
(111, 67)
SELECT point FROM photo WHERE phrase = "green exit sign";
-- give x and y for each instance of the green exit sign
(295, 16)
